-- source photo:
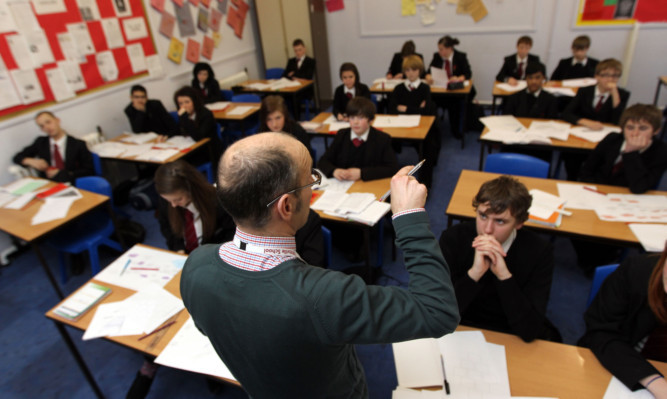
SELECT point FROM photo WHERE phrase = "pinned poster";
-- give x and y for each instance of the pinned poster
(334, 5)
(236, 17)
(81, 36)
(6, 19)
(217, 38)
(135, 52)
(214, 20)
(175, 52)
(27, 85)
(122, 8)
(73, 74)
(48, 6)
(158, 5)
(39, 47)
(154, 66)
(24, 18)
(202, 20)
(59, 87)
(408, 7)
(206, 3)
(222, 6)
(20, 51)
(479, 11)
(167, 24)
(135, 28)
(88, 10)
(68, 47)
(192, 52)
(186, 26)
(112, 32)
(8, 95)
(428, 14)
(106, 64)
(194, 2)
(207, 47)
(178, 3)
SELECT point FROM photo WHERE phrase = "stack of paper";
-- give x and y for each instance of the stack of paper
(311, 127)
(177, 142)
(78, 304)
(559, 91)
(56, 206)
(550, 129)
(333, 184)
(651, 236)
(17, 194)
(139, 138)
(594, 136)
(396, 121)
(241, 109)
(218, 106)
(359, 207)
(633, 208)
(546, 209)
(507, 129)
(132, 151)
(583, 82)
(521, 84)
(277, 84)
(157, 155)
(110, 149)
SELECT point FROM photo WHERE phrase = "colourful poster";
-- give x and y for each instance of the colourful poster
(175, 52)
(207, 47)
(192, 52)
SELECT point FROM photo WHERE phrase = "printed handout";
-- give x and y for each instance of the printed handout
(135, 28)
(135, 52)
(27, 85)
(59, 87)
(112, 32)
(106, 64)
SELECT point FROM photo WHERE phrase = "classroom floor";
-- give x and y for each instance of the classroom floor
(36, 362)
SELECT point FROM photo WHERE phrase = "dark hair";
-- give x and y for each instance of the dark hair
(413, 62)
(448, 41)
(271, 104)
(503, 193)
(202, 66)
(298, 42)
(187, 91)
(525, 40)
(609, 63)
(408, 48)
(581, 42)
(639, 112)
(656, 290)
(45, 112)
(360, 106)
(350, 67)
(138, 88)
(251, 177)
(535, 67)
(181, 176)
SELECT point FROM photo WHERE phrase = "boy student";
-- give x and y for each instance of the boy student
(634, 159)
(300, 66)
(149, 115)
(501, 273)
(58, 156)
(414, 97)
(514, 66)
(580, 65)
(532, 102)
(360, 151)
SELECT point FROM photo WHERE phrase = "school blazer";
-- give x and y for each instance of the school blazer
(460, 64)
(340, 99)
(581, 106)
(306, 71)
(154, 119)
(544, 106)
(78, 160)
(510, 67)
(565, 69)
(211, 92)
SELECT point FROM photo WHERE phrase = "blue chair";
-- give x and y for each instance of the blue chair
(174, 114)
(253, 122)
(97, 164)
(226, 94)
(326, 233)
(89, 233)
(274, 73)
(246, 98)
(601, 273)
(516, 164)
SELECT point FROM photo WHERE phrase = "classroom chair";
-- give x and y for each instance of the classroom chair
(516, 164)
(601, 273)
(274, 73)
(226, 94)
(89, 233)
(253, 122)
(174, 114)
(246, 98)
(326, 233)
(97, 164)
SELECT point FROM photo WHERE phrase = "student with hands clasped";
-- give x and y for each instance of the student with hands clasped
(300, 66)
(147, 115)
(514, 66)
(350, 88)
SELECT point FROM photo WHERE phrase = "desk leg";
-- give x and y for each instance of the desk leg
(657, 92)
(45, 266)
(462, 123)
(79, 360)
(481, 155)
(493, 105)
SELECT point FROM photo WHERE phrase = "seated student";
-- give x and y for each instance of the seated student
(501, 273)
(395, 70)
(204, 80)
(455, 63)
(514, 66)
(634, 159)
(58, 157)
(351, 87)
(360, 151)
(196, 121)
(532, 102)
(414, 97)
(274, 117)
(625, 323)
(580, 65)
(300, 66)
(149, 115)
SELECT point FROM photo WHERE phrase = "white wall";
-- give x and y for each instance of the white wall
(552, 33)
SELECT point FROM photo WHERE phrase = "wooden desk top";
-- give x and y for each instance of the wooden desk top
(173, 158)
(404, 133)
(304, 83)
(377, 88)
(572, 142)
(376, 187)
(582, 223)
(497, 92)
(18, 222)
(224, 114)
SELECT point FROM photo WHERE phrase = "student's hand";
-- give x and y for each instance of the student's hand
(637, 143)
(36, 163)
(181, 111)
(591, 124)
(423, 104)
(488, 245)
(180, 251)
(161, 138)
(459, 78)
(290, 74)
(340, 117)
(51, 172)
(389, 76)
(406, 191)
(429, 79)
(512, 81)
(340, 174)
(353, 174)
(401, 108)
(658, 387)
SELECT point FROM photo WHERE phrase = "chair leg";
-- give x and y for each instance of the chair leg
(94, 260)
(112, 244)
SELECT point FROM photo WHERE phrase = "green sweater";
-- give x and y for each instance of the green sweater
(288, 332)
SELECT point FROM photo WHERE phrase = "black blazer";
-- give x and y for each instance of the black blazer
(396, 65)
(78, 160)
(565, 69)
(412, 99)
(296, 130)
(201, 127)
(510, 67)
(375, 157)
(211, 91)
(639, 172)
(306, 71)
(340, 99)
(522, 105)
(581, 106)
(460, 64)
(154, 119)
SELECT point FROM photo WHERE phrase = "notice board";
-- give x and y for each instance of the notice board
(621, 12)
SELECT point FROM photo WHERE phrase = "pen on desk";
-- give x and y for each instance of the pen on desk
(594, 190)
(444, 375)
(157, 329)
(125, 267)
(563, 212)
(410, 173)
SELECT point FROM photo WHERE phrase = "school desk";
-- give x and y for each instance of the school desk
(151, 346)
(292, 92)
(581, 224)
(500, 93)
(662, 80)
(18, 224)
(225, 115)
(199, 145)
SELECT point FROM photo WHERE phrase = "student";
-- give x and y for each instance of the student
(360, 151)
(396, 67)
(414, 97)
(501, 273)
(633, 159)
(149, 115)
(274, 117)
(532, 102)
(204, 80)
(351, 87)
(455, 64)
(580, 65)
(58, 157)
(514, 66)
(300, 66)
(196, 121)
(625, 320)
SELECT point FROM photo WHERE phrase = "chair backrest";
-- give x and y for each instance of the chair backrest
(96, 184)
(601, 273)
(516, 164)
(174, 114)
(274, 73)
(226, 94)
(97, 164)
(218, 132)
(246, 98)
(326, 233)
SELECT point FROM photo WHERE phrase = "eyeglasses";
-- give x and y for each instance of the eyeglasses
(610, 75)
(315, 174)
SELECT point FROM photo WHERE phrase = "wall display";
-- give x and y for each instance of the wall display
(620, 12)
(53, 49)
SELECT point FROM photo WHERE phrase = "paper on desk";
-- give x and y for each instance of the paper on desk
(520, 137)
(329, 201)
(521, 84)
(440, 78)
(180, 142)
(355, 203)
(192, 351)
(333, 184)
(336, 126)
(583, 82)
(118, 319)
(53, 208)
(651, 236)
(544, 204)
(577, 197)
(388, 84)
(550, 129)
(372, 214)
(633, 208)
(24, 185)
(418, 363)
(560, 91)
(157, 155)
(502, 122)
(594, 136)
(165, 305)
(5, 197)
(241, 109)
(218, 106)
(139, 138)
(283, 83)
(396, 121)
(258, 86)
(110, 149)
(21, 201)
(136, 150)
(616, 390)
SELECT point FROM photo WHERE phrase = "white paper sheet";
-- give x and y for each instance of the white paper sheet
(16, 187)
(53, 208)
(164, 305)
(119, 319)
(88, 10)
(616, 390)
(502, 122)
(49, 6)
(112, 32)
(68, 47)
(139, 138)
(23, 16)
(329, 201)
(418, 363)
(61, 89)
(106, 63)
(177, 142)
(550, 129)
(135, 28)
(651, 236)
(109, 149)
(5, 198)
(154, 66)
(633, 208)
(240, 109)
(577, 197)
(27, 86)
(135, 52)
(136, 150)
(544, 204)
(218, 106)
(81, 37)
(6, 19)
(583, 82)
(8, 95)
(594, 136)
(521, 137)
(440, 78)
(333, 184)
(560, 91)
(336, 126)
(21, 201)
(521, 84)
(157, 155)
(20, 51)
(396, 121)
(355, 203)
(73, 75)
(39, 47)
(122, 8)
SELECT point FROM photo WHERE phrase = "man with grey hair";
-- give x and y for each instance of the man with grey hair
(282, 327)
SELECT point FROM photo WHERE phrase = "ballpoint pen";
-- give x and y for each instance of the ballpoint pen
(410, 173)
(444, 375)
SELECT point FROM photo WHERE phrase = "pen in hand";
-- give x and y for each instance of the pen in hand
(410, 173)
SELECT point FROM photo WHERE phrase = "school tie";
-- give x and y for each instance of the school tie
(520, 70)
(357, 142)
(299, 63)
(411, 87)
(349, 95)
(655, 347)
(191, 241)
(57, 158)
(598, 106)
(448, 69)
(617, 167)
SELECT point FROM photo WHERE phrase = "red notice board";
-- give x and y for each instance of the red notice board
(620, 12)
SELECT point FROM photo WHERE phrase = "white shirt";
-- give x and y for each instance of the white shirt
(536, 94)
(508, 243)
(348, 90)
(414, 84)
(596, 98)
(575, 62)
(299, 62)
(61, 143)
(363, 137)
(199, 228)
